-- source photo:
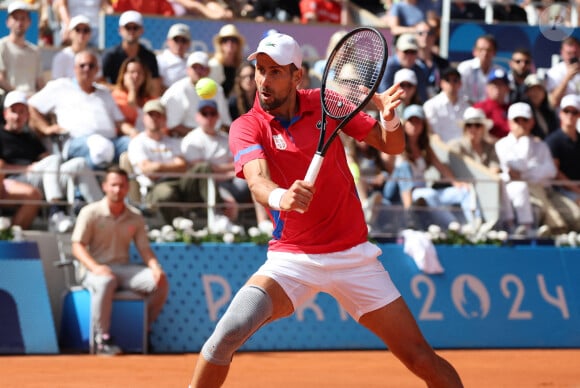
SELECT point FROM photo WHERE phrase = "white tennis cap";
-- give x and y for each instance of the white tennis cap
(78, 20)
(199, 57)
(519, 109)
(130, 17)
(179, 29)
(405, 75)
(283, 49)
(18, 6)
(476, 116)
(570, 100)
(15, 97)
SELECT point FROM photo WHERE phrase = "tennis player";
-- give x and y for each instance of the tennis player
(320, 239)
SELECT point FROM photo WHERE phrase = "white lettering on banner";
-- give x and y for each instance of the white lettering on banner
(515, 312)
(213, 305)
(310, 304)
(426, 314)
(559, 301)
(470, 297)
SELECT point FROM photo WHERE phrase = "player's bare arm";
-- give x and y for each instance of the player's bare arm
(296, 197)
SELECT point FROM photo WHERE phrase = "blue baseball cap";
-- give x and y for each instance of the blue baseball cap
(207, 104)
(414, 111)
(498, 75)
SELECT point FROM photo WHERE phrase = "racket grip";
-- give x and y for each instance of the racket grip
(314, 168)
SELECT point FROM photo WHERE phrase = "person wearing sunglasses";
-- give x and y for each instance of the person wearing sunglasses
(130, 30)
(68, 10)
(521, 65)
(172, 61)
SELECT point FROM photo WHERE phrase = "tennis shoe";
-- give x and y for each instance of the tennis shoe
(106, 347)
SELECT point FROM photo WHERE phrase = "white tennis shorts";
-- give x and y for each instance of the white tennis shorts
(354, 277)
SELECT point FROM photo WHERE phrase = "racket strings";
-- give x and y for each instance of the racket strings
(353, 69)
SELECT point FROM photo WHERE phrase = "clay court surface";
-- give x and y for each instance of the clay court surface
(360, 369)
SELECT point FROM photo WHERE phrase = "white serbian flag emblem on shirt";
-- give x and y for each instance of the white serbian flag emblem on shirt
(279, 142)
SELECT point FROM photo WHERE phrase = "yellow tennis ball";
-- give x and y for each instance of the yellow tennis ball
(206, 88)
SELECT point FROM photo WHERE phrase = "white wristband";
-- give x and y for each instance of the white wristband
(275, 198)
(392, 125)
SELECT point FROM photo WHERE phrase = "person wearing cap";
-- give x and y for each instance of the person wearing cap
(407, 79)
(495, 103)
(406, 184)
(405, 57)
(475, 71)
(317, 226)
(157, 7)
(20, 60)
(86, 115)
(228, 46)
(181, 99)
(527, 168)
(25, 154)
(521, 65)
(67, 10)
(80, 33)
(101, 240)
(172, 61)
(131, 30)
(445, 110)
(564, 145)
(564, 77)
(545, 117)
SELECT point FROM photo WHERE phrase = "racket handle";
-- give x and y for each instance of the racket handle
(314, 168)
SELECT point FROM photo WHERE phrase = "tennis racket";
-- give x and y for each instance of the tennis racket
(350, 79)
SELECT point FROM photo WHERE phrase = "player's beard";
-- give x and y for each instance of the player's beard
(274, 104)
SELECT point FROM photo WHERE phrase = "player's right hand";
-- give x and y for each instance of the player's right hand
(297, 197)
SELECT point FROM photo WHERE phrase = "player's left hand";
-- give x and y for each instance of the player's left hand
(387, 101)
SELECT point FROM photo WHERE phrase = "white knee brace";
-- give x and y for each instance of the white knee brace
(250, 308)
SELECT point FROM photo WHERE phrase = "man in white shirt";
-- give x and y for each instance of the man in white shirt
(20, 62)
(527, 168)
(564, 77)
(181, 99)
(474, 72)
(445, 110)
(172, 61)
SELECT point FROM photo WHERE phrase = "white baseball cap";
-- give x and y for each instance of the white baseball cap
(130, 17)
(15, 97)
(570, 100)
(18, 6)
(476, 116)
(199, 57)
(519, 109)
(77, 20)
(405, 75)
(283, 49)
(179, 29)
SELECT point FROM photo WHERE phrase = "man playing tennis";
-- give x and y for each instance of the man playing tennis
(320, 239)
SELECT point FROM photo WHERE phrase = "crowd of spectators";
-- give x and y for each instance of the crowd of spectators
(135, 104)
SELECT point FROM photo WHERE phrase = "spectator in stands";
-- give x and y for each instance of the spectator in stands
(495, 103)
(85, 111)
(152, 154)
(318, 68)
(24, 153)
(404, 16)
(446, 109)
(527, 168)
(565, 148)
(475, 71)
(131, 92)
(466, 10)
(244, 93)
(157, 7)
(208, 9)
(508, 11)
(63, 62)
(130, 30)
(324, 11)
(181, 98)
(520, 67)
(228, 55)
(545, 117)
(105, 260)
(20, 62)
(279, 10)
(564, 77)
(24, 195)
(172, 61)
(67, 10)
(406, 184)
(405, 57)
(407, 79)
(431, 63)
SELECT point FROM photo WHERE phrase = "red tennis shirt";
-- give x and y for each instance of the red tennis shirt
(334, 220)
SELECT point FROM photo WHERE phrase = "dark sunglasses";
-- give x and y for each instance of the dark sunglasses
(90, 66)
(132, 27)
(410, 52)
(429, 33)
(208, 113)
(229, 39)
(406, 85)
(82, 30)
(572, 112)
(521, 120)
(525, 61)
(473, 125)
(180, 40)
